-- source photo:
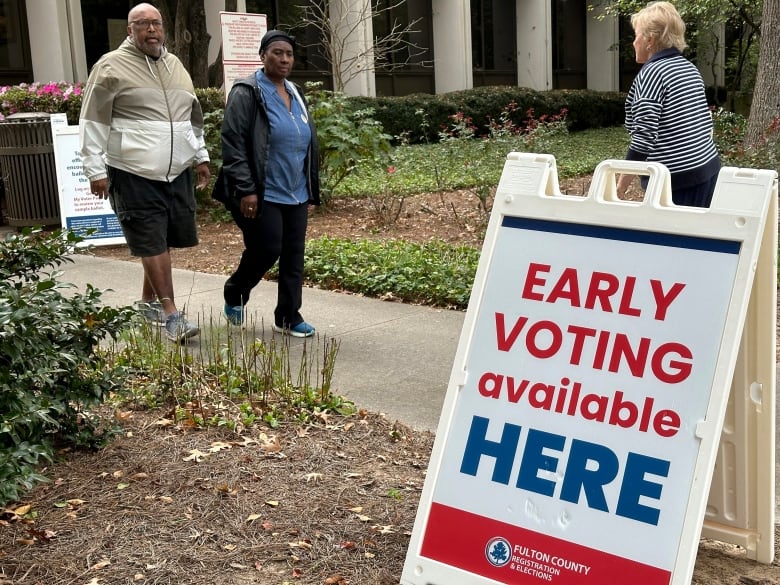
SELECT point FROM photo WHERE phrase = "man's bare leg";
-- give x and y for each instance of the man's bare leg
(157, 275)
(148, 293)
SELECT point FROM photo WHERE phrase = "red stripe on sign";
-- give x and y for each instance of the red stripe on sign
(510, 554)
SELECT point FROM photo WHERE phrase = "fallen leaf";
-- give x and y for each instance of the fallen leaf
(117, 474)
(195, 455)
(140, 475)
(273, 503)
(356, 509)
(93, 581)
(364, 518)
(102, 564)
(76, 502)
(348, 545)
(219, 446)
(229, 547)
(122, 486)
(22, 510)
(165, 499)
(252, 517)
(315, 477)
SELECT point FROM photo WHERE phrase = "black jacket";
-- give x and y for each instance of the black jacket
(245, 130)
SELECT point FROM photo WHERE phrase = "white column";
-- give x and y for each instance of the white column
(452, 45)
(534, 44)
(603, 33)
(353, 36)
(56, 41)
(213, 8)
(711, 56)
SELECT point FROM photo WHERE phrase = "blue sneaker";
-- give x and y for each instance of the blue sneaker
(234, 315)
(302, 329)
(178, 329)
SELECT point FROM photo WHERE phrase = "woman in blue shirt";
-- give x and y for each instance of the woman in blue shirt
(269, 177)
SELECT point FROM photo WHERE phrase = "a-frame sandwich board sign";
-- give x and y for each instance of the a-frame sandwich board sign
(581, 424)
(741, 507)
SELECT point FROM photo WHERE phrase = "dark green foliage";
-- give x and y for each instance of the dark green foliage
(400, 116)
(347, 137)
(210, 98)
(434, 273)
(51, 373)
(590, 109)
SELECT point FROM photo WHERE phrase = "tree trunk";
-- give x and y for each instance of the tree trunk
(766, 95)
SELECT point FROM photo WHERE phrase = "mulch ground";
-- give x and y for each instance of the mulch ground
(170, 504)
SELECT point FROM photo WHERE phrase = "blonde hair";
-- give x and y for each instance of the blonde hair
(660, 22)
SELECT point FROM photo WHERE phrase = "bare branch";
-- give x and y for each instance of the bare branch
(341, 41)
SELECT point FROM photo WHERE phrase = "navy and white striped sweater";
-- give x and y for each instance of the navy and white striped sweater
(669, 121)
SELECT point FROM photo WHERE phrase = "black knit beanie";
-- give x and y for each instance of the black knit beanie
(275, 35)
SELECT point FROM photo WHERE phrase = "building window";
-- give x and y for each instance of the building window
(493, 42)
(15, 60)
(569, 51)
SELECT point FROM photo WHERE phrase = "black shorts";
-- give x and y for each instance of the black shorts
(154, 215)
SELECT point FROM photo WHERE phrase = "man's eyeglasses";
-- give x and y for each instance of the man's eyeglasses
(146, 23)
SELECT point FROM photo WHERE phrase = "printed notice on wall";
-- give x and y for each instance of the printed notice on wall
(241, 35)
(82, 212)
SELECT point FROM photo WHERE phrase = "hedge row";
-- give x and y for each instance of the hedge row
(420, 117)
(402, 115)
(417, 117)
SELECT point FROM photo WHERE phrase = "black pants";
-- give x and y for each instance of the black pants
(696, 196)
(278, 234)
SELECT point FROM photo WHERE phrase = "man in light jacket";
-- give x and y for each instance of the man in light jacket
(141, 131)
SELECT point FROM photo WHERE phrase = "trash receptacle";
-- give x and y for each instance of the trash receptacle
(28, 170)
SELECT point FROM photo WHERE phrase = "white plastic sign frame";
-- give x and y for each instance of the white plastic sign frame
(582, 419)
(80, 210)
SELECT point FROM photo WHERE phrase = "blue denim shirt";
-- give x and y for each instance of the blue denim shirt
(285, 179)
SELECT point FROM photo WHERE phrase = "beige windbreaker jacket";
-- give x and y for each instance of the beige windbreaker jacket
(140, 115)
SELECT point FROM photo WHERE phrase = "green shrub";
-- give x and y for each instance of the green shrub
(434, 273)
(347, 137)
(400, 116)
(211, 99)
(729, 134)
(51, 372)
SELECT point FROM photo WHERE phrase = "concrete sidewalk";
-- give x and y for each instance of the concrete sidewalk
(393, 358)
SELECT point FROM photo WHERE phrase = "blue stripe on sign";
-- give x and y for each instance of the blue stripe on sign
(623, 235)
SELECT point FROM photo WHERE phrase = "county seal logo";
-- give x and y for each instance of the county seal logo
(498, 551)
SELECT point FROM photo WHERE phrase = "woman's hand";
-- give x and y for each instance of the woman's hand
(249, 207)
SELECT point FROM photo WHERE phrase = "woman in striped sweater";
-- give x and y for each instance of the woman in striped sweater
(667, 114)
